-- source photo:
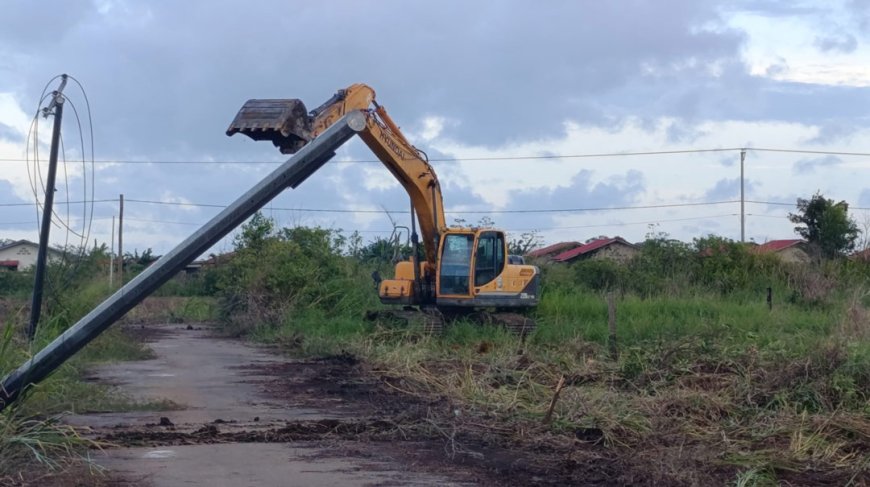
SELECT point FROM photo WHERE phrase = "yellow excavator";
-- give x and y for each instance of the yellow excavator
(466, 272)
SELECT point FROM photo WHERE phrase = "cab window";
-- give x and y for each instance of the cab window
(490, 257)
(456, 263)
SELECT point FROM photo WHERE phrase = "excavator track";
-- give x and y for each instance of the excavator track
(515, 323)
(434, 322)
(430, 319)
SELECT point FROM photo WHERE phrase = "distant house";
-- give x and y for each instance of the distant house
(21, 254)
(794, 250)
(861, 256)
(551, 250)
(616, 248)
(211, 262)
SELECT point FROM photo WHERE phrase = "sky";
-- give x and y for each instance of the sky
(604, 118)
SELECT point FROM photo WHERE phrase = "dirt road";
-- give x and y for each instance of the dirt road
(249, 417)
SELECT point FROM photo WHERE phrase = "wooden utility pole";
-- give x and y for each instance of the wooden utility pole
(121, 242)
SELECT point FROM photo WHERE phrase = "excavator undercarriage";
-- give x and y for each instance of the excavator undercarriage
(436, 320)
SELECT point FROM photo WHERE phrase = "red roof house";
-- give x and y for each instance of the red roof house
(551, 250)
(861, 256)
(616, 248)
(792, 250)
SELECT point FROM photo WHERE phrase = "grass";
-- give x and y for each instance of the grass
(763, 396)
(32, 436)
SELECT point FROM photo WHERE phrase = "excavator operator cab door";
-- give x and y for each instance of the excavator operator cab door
(469, 260)
(489, 257)
(454, 265)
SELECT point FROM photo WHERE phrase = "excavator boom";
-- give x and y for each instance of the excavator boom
(289, 126)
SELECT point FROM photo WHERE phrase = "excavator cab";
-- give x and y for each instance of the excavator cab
(473, 271)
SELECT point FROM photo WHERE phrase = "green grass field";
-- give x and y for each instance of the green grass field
(709, 384)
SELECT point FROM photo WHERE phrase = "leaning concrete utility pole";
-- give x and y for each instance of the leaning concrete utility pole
(47, 210)
(292, 173)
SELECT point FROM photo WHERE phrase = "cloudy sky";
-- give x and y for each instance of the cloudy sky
(521, 105)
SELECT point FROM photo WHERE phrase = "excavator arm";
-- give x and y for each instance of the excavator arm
(289, 127)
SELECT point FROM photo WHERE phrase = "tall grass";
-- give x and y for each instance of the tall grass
(704, 365)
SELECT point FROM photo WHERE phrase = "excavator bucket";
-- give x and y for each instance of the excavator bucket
(284, 122)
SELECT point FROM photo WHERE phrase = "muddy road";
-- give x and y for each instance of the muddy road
(242, 415)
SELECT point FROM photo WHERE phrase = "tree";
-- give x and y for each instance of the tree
(525, 243)
(825, 225)
(255, 232)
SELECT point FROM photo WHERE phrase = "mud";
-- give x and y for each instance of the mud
(251, 417)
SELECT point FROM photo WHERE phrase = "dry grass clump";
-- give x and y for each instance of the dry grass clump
(171, 309)
(49, 443)
(856, 320)
(693, 412)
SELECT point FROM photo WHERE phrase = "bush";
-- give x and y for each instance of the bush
(275, 274)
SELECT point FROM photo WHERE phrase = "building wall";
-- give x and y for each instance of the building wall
(794, 255)
(25, 254)
(615, 251)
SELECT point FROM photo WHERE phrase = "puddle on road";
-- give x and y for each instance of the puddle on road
(159, 454)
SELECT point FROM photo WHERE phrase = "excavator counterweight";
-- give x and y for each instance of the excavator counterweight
(285, 123)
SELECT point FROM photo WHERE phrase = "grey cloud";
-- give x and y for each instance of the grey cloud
(860, 10)
(678, 131)
(805, 166)
(166, 78)
(778, 68)
(10, 134)
(845, 43)
(41, 24)
(864, 198)
(775, 8)
(180, 77)
(833, 131)
(15, 217)
(728, 188)
(582, 192)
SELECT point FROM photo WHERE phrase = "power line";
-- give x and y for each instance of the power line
(622, 224)
(552, 210)
(617, 224)
(66, 202)
(804, 151)
(501, 158)
(782, 203)
(474, 212)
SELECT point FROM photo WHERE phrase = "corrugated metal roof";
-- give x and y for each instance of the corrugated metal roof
(777, 245)
(16, 243)
(28, 242)
(553, 249)
(589, 247)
